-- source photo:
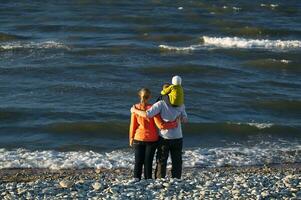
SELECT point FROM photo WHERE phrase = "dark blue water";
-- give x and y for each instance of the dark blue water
(70, 70)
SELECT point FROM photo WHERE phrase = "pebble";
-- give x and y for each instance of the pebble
(166, 184)
(235, 192)
(96, 185)
(264, 194)
(66, 183)
(21, 191)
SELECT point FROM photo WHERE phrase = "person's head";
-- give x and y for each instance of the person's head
(144, 95)
(176, 80)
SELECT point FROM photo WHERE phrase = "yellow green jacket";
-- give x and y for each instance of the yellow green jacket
(175, 93)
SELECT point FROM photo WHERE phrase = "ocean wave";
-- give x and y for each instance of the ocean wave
(274, 64)
(238, 129)
(33, 45)
(253, 31)
(260, 154)
(117, 128)
(237, 42)
(10, 115)
(184, 69)
(291, 107)
(9, 37)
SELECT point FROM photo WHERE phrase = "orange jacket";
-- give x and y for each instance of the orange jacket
(144, 129)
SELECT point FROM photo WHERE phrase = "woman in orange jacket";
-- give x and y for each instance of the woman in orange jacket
(143, 136)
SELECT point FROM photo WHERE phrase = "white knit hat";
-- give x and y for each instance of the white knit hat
(176, 80)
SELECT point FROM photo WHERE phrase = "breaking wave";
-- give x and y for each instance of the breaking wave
(238, 42)
(33, 45)
(238, 155)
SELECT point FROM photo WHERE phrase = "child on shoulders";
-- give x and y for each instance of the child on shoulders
(175, 91)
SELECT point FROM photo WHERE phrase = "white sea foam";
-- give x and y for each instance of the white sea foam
(261, 125)
(254, 124)
(238, 155)
(22, 158)
(274, 5)
(285, 61)
(236, 8)
(265, 153)
(269, 5)
(173, 48)
(237, 42)
(33, 45)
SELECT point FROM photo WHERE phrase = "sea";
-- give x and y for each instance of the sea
(70, 72)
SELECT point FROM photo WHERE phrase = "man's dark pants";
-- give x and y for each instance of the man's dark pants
(174, 146)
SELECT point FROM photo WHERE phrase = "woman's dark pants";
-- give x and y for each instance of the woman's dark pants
(174, 146)
(144, 155)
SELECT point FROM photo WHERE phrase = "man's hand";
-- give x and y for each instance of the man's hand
(133, 109)
(141, 113)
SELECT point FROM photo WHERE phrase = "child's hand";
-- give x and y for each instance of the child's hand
(179, 119)
(184, 119)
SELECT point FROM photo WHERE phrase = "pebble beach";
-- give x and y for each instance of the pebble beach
(70, 72)
(265, 182)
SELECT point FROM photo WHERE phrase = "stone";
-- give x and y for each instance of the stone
(235, 192)
(264, 194)
(113, 190)
(254, 192)
(202, 193)
(96, 185)
(166, 184)
(66, 183)
(74, 193)
(20, 191)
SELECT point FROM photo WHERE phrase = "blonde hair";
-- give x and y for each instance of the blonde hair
(144, 95)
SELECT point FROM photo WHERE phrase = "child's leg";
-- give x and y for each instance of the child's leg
(161, 158)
